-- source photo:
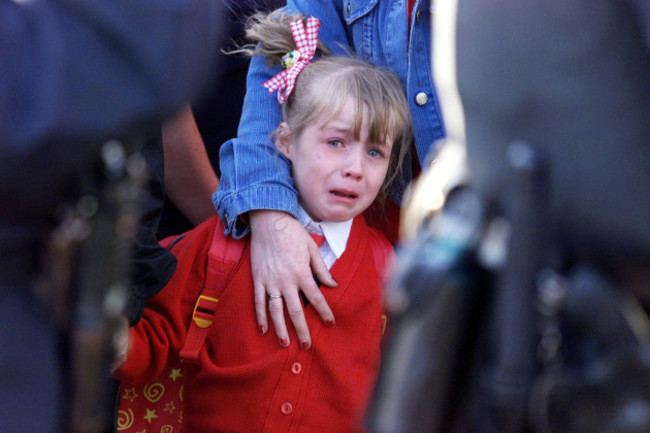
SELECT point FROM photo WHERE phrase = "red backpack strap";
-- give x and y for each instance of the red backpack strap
(223, 257)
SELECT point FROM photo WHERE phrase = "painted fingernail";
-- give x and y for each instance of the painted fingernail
(304, 345)
(330, 323)
(284, 342)
(261, 329)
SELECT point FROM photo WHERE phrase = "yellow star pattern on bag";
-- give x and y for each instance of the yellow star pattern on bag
(170, 407)
(151, 414)
(130, 394)
(176, 373)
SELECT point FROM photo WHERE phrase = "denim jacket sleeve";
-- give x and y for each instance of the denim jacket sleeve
(254, 179)
(253, 174)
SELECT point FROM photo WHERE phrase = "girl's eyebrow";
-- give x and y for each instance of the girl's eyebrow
(384, 145)
(337, 127)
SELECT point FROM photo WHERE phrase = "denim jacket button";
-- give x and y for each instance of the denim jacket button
(421, 98)
(417, 15)
(349, 8)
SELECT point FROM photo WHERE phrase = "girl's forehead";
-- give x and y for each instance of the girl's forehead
(352, 113)
(344, 112)
(337, 122)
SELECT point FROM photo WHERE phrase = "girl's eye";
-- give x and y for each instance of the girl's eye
(374, 153)
(335, 143)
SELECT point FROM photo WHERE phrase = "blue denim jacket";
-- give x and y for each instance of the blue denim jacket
(253, 176)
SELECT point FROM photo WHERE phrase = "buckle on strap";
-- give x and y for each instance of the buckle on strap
(204, 311)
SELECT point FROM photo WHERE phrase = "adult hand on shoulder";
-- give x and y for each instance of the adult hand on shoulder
(284, 260)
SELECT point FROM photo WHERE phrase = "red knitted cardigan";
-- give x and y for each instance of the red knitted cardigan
(246, 382)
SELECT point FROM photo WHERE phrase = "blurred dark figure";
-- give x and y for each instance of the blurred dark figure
(80, 83)
(522, 305)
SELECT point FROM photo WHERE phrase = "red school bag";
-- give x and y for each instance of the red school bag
(158, 407)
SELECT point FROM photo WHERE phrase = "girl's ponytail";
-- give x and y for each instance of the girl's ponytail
(270, 35)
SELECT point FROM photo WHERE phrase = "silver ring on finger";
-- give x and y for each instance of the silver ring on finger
(270, 297)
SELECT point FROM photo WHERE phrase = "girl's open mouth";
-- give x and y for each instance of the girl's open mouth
(344, 194)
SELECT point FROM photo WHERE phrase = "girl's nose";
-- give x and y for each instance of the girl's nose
(354, 164)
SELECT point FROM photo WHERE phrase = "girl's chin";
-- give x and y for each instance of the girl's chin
(333, 217)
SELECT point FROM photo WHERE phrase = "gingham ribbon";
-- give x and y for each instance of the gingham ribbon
(306, 41)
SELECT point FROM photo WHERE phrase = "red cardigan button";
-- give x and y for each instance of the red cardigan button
(287, 408)
(296, 368)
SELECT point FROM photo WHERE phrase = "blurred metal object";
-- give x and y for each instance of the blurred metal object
(508, 372)
(432, 302)
(85, 277)
(445, 304)
(597, 375)
(427, 195)
(103, 276)
(488, 336)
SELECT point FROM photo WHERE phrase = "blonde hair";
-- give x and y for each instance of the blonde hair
(269, 35)
(324, 85)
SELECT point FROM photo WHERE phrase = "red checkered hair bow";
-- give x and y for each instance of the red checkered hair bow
(306, 42)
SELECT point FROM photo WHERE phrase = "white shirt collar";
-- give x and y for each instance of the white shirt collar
(336, 233)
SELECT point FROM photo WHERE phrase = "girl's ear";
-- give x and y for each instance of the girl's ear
(284, 139)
